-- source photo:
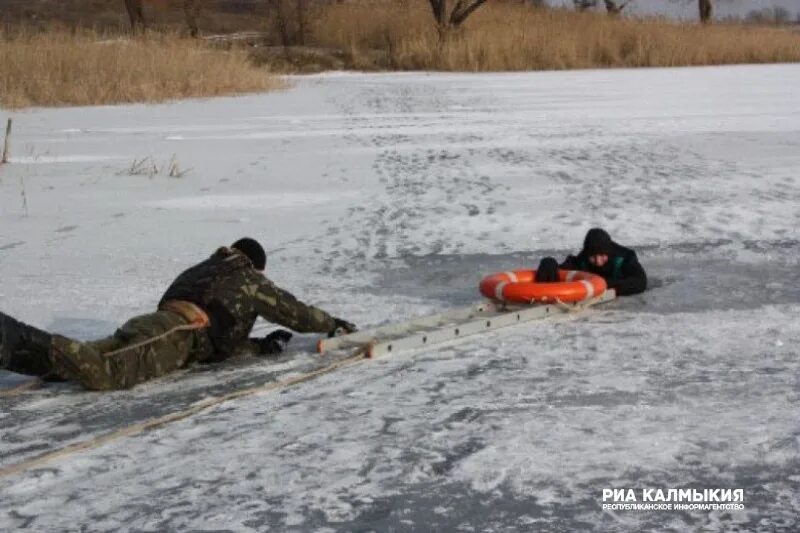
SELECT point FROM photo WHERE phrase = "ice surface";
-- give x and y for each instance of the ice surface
(387, 196)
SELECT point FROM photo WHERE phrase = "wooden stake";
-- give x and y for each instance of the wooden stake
(7, 142)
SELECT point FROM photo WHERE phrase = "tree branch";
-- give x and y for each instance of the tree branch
(611, 6)
(438, 7)
(463, 10)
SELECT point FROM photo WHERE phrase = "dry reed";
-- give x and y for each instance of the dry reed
(61, 67)
(500, 37)
(58, 68)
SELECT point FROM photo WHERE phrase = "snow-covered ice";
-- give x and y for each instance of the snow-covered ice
(386, 196)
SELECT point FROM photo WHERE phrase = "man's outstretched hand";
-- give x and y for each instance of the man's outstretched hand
(274, 343)
(341, 327)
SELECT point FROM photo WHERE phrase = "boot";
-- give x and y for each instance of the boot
(23, 348)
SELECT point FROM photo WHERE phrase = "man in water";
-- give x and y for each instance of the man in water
(618, 265)
(206, 315)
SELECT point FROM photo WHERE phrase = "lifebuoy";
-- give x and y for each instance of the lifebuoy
(520, 286)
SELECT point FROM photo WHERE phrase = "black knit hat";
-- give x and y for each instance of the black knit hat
(253, 251)
(597, 241)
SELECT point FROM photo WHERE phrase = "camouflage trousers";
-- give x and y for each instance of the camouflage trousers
(145, 347)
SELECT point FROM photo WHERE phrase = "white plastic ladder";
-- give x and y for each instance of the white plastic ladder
(449, 326)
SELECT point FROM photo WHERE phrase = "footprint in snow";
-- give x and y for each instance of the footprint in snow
(11, 245)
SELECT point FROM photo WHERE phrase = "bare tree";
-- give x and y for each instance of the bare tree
(781, 15)
(191, 9)
(706, 10)
(613, 9)
(449, 20)
(280, 20)
(584, 5)
(292, 19)
(770, 15)
(136, 14)
(302, 21)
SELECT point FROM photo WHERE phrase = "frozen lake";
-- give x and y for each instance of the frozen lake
(382, 197)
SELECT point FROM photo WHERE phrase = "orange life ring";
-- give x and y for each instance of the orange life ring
(519, 286)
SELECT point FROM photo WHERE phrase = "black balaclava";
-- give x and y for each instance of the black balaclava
(253, 251)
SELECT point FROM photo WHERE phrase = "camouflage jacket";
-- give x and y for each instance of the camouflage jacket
(234, 294)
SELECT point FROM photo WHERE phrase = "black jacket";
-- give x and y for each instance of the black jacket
(622, 272)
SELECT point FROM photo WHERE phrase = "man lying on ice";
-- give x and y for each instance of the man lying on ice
(618, 265)
(206, 315)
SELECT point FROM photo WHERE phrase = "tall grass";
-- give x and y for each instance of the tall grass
(504, 36)
(58, 68)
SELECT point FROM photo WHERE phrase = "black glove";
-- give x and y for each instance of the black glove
(274, 343)
(341, 327)
(547, 271)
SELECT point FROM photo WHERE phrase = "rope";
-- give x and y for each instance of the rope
(151, 340)
(134, 429)
(153, 423)
(195, 323)
(195, 317)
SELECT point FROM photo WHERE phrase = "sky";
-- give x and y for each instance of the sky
(688, 8)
